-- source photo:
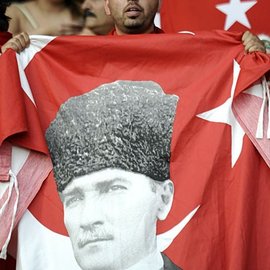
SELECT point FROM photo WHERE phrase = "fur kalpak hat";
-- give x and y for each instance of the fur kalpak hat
(125, 124)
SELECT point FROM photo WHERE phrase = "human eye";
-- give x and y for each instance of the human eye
(73, 200)
(117, 187)
(112, 187)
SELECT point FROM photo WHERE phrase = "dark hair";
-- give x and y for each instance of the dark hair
(74, 7)
(3, 18)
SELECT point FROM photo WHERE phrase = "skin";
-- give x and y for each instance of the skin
(51, 16)
(111, 217)
(132, 17)
(140, 20)
(96, 21)
(252, 43)
(18, 43)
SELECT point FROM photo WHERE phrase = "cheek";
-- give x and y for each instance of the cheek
(135, 213)
(71, 220)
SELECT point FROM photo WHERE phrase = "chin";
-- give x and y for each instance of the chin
(134, 27)
(134, 22)
(87, 263)
(89, 23)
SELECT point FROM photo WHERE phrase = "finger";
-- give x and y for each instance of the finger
(246, 37)
(22, 40)
(16, 43)
(12, 44)
(25, 39)
(254, 46)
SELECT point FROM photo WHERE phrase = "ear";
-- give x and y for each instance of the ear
(61, 195)
(166, 198)
(107, 8)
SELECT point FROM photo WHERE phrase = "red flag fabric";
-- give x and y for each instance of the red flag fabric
(23, 166)
(9, 264)
(233, 15)
(219, 217)
(4, 37)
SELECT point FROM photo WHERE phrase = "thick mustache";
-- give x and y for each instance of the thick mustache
(88, 13)
(89, 237)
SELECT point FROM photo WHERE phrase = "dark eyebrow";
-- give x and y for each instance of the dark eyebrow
(100, 186)
(107, 183)
(75, 191)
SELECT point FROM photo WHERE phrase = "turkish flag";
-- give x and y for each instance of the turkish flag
(233, 15)
(219, 218)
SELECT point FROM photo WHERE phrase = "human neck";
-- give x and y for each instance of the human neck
(153, 261)
(87, 32)
(102, 30)
(151, 29)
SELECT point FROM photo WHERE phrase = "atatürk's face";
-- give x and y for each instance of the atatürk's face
(132, 17)
(111, 217)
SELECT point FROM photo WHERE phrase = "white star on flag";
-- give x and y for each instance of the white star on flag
(236, 12)
(224, 114)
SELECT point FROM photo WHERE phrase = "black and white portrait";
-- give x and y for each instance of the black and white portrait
(110, 149)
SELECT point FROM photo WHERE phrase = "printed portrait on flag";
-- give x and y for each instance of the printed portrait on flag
(110, 149)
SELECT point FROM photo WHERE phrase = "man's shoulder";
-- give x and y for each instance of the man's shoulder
(168, 264)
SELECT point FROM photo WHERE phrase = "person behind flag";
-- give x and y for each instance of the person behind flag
(16, 43)
(96, 21)
(110, 149)
(4, 35)
(45, 17)
(137, 17)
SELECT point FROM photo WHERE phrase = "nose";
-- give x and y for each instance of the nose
(87, 4)
(92, 214)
